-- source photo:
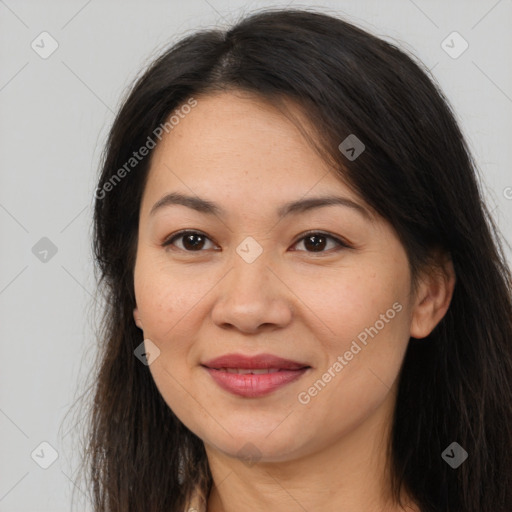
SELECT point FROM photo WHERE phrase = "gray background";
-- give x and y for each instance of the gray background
(55, 113)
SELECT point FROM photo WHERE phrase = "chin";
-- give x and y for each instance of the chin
(256, 446)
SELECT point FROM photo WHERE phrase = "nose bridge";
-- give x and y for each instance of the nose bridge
(251, 294)
(250, 279)
(251, 267)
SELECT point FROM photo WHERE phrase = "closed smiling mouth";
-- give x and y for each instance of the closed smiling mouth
(253, 376)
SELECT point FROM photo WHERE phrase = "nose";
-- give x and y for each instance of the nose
(251, 297)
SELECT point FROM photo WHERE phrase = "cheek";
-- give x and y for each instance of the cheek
(362, 318)
(164, 297)
(347, 302)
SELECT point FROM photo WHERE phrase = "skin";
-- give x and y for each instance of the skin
(328, 454)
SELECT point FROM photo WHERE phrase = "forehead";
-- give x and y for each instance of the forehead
(237, 143)
(238, 130)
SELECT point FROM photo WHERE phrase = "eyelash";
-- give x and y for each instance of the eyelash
(341, 244)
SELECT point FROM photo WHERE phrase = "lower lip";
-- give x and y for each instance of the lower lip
(252, 385)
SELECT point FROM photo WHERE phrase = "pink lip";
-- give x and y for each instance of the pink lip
(254, 385)
(253, 362)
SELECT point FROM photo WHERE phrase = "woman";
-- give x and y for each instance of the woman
(307, 302)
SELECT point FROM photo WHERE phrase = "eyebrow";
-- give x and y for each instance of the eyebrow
(294, 207)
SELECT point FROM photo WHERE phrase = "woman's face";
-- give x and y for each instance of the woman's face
(252, 282)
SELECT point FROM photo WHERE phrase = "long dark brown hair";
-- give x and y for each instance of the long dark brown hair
(416, 171)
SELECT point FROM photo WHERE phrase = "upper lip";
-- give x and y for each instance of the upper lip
(253, 362)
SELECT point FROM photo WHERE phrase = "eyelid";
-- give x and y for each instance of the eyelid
(341, 243)
(168, 241)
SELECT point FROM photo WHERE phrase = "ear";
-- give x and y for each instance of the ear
(433, 297)
(136, 317)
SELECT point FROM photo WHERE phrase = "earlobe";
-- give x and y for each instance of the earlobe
(433, 299)
(136, 317)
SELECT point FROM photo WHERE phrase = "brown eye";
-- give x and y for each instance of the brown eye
(192, 241)
(317, 241)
